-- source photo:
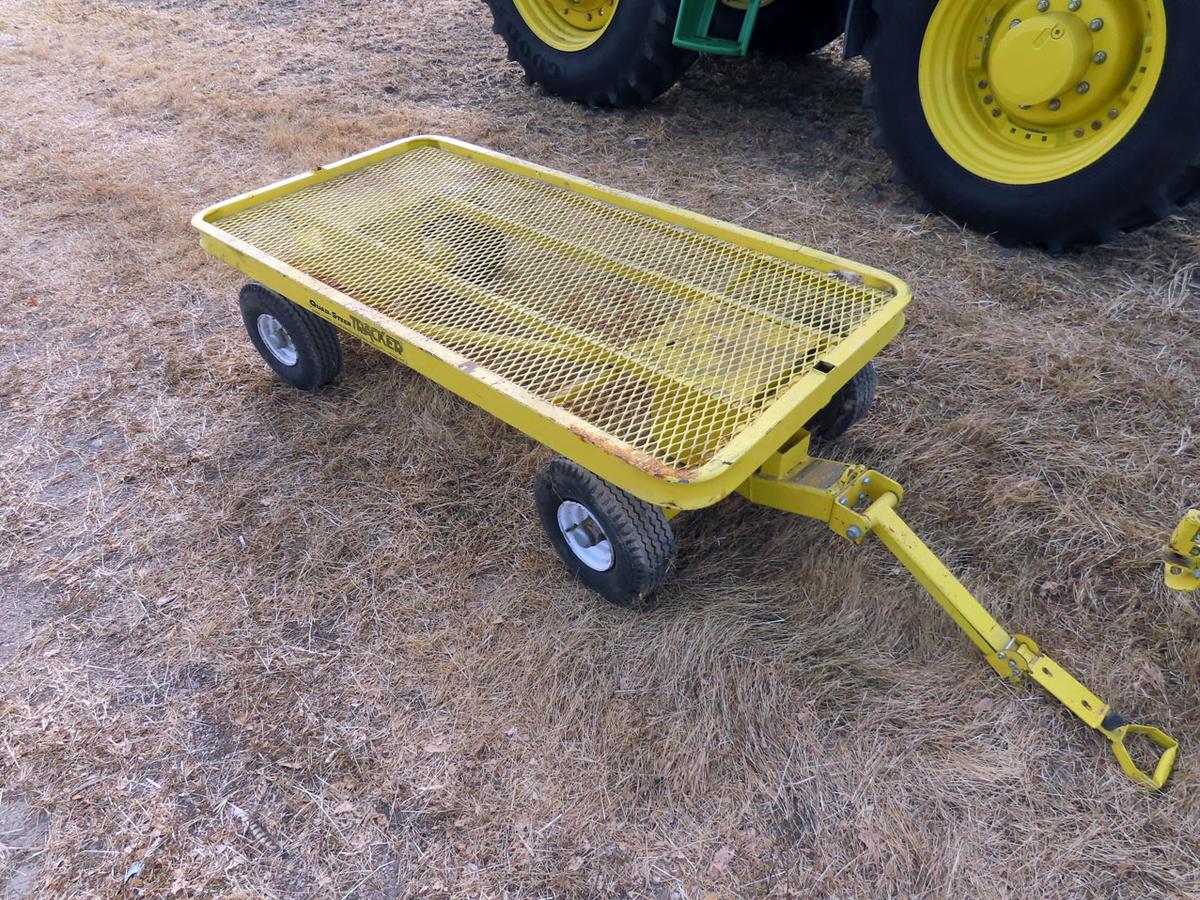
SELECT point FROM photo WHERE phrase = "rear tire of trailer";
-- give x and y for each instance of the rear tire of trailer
(602, 53)
(301, 348)
(848, 407)
(619, 546)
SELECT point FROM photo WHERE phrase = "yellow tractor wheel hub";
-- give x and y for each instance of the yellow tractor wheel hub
(568, 25)
(1030, 91)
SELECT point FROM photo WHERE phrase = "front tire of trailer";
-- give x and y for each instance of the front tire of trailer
(619, 546)
(301, 348)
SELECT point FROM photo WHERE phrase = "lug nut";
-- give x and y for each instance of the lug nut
(1083, 88)
(1079, 132)
(988, 99)
(1096, 24)
(1014, 23)
(1100, 58)
(1074, 5)
(1043, 5)
(1055, 105)
(1112, 113)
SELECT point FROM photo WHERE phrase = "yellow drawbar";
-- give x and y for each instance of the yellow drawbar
(1181, 558)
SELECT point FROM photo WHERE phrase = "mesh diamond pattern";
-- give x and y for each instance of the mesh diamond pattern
(667, 340)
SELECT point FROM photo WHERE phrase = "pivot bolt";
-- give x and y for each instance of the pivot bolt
(1074, 5)
(1196, 573)
(1002, 654)
(867, 480)
(1096, 24)
(1043, 5)
(854, 532)
(842, 501)
(1012, 663)
(1100, 58)
(1083, 88)
(1055, 105)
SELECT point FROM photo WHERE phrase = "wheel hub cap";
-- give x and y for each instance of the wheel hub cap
(1040, 59)
(276, 339)
(585, 536)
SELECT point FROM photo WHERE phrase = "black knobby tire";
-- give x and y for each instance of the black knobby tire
(786, 27)
(633, 62)
(641, 538)
(848, 407)
(318, 352)
(1153, 170)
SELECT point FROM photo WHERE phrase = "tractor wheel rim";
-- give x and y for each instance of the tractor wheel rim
(567, 25)
(276, 339)
(1031, 91)
(585, 536)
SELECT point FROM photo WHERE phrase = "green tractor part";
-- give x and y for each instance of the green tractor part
(1051, 122)
(695, 22)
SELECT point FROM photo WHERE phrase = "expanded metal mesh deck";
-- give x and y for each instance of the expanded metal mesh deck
(664, 339)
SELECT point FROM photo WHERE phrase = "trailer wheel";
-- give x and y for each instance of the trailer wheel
(849, 406)
(619, 546)
(301, 347)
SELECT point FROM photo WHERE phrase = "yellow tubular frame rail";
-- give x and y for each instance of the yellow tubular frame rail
(855, 502)
(1181, 558)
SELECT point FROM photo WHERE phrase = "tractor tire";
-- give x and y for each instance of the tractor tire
(630, 62)
(1029, 177)
(787, 28)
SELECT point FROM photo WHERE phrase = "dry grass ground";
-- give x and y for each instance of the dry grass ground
(267, 643)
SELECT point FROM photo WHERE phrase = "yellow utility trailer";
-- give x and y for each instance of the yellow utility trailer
(671, 359)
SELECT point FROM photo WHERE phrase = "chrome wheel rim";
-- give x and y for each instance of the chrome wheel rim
(276, 339)
(585, 536)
